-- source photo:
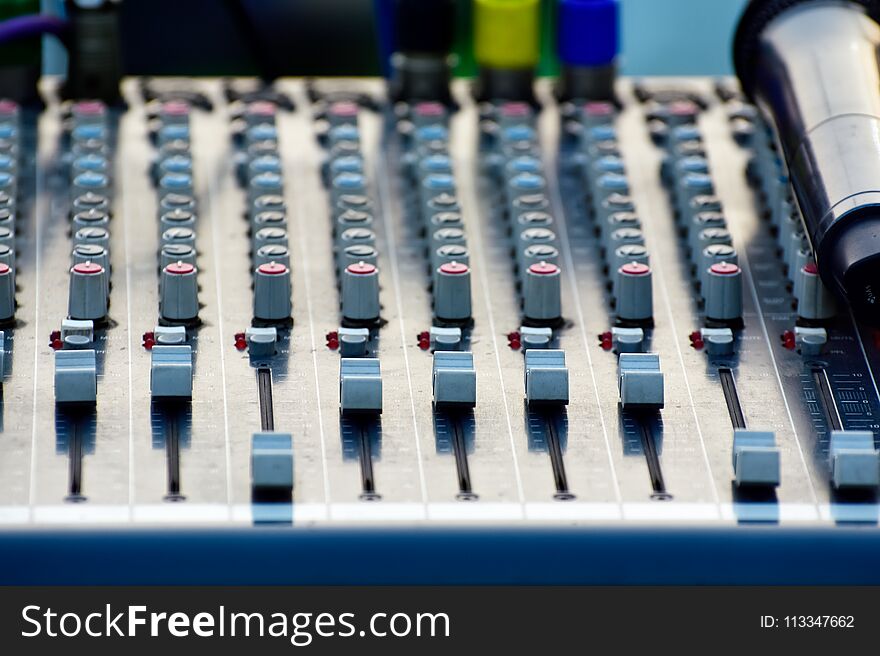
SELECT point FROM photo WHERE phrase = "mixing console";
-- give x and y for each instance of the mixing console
(231, 304)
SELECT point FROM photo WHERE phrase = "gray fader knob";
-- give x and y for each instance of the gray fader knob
(542, 294)
(723, 293)
(272, 292)
(360, 293)
(635, 299)
(452, 292)
(7, 292)
(88, 292)
(179, 300)
(814, 299)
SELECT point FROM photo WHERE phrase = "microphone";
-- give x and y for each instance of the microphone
(812, 68)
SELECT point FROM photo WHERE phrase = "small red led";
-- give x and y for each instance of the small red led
(696, 338)
(240, 341)
(332, 339)
(606, 341)
(149, 340)
(514, 340)
(424, 339)
(788, 340)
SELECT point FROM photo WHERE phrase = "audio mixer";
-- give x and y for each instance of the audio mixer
(590, 302)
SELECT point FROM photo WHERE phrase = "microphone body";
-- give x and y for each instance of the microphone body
(812, 68)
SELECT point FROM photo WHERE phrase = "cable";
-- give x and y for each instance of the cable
(31, 25)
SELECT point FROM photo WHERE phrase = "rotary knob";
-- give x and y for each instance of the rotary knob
(542, 300)
(179, 301)
(723, 293)
(88, 292)
(635, 298)
(815, 302)
(452, 293)
(360, 293)
(272, 290)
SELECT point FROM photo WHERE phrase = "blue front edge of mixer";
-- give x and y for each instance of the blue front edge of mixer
(551, 556)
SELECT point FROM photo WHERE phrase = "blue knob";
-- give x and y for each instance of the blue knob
(588, 32)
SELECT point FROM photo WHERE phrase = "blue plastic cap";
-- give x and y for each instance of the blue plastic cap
(588, 32)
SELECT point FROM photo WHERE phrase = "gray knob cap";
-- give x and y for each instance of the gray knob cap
(814, 300)
(542, 302)
(270, 220)
(359, 253)
(184, 236)
(532, 237)
(617, 221)
(528, 220)
(177, 218)
(98, 236)
(171, 253)
(623, 237)
(700, 222)
(540, 253)
(88, 292)
(7, 255)
(450, 253)
(91, 201)
(452, 292)
(713, 254)
(353, 237)
(177, 202)
(445, 237)
(689, 187)
(90, 219)
(7, 236)
(635, 296)
(179, 300)
(352, 219)
(92, 253)
(272, 291)
(440, 220)
(7, 292)
(360, 292)
(273, 253)
(266, 203)
(269, 236)
(723, 293)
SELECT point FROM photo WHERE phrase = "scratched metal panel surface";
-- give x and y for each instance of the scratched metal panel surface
(124, 470)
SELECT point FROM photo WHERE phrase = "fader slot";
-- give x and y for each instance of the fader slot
(365, 458)
(267, 410)
(652, 456)
(173, 415)
(731, 397)
(75, 458)
(554, 447)
(826, 399)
